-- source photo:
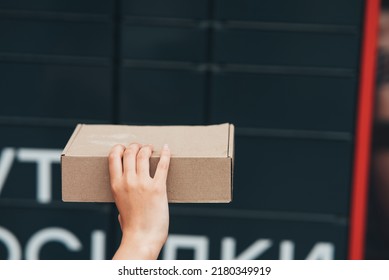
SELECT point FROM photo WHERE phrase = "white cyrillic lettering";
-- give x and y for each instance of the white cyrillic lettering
(322, 251)
(40, 238)
(43, 158)
(98, 245)
(228, 249)
(286, 250)
(6, 160)
(199, 244)
(11, 243)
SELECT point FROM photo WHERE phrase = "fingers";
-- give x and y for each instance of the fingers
(115, 163)
(163, 165)
(135, 160)
(143, 161)
(129, 159)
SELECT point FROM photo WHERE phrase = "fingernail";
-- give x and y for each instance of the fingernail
(166, 147)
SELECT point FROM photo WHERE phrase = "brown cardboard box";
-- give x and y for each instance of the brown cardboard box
(200, 169)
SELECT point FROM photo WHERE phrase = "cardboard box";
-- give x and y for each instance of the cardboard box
(201, 165)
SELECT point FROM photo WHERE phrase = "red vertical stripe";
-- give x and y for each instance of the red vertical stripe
(363, 130)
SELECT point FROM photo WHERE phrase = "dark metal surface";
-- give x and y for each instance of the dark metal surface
(284, 72)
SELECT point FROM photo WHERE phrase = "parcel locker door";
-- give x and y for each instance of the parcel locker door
(191, 9)
(285, 100)
(172, 96)
(55, 59)
(298, 175)
(30, 161)
(52, 90)
(338, 12)
(58, 231)
(163, 43)
(286, 48)
(208, 234)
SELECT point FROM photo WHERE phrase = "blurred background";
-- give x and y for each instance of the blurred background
(378, 214)
(284, 72)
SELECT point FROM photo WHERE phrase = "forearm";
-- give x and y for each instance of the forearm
(130, 249)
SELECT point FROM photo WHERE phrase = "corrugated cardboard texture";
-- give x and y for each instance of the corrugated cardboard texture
(200, 169)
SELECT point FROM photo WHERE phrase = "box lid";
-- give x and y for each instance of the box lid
(199, 141)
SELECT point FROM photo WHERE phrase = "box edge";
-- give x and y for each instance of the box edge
(72, 138)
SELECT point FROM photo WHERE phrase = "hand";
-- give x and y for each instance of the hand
(141, 200)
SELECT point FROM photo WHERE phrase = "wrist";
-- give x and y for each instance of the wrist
(141, 247)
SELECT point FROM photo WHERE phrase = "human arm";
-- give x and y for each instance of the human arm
(141, 200)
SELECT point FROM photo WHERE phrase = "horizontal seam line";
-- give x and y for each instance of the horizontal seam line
(236, 24)
(295, 133)
(55, 59)
(47, 122)
(243, 68)
(58, 16)
(258, 214)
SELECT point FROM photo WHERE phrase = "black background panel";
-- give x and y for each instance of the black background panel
(244, 232)
(284, 72)
(53, 136)
(69, 6)
(79, 232)
(56, 91)
(347, 12)
(45, 142)
(193, 9)
(294, 175)
(285, 48)
(164, 43)
(170, 96)
(282, 101)
(34, 37)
